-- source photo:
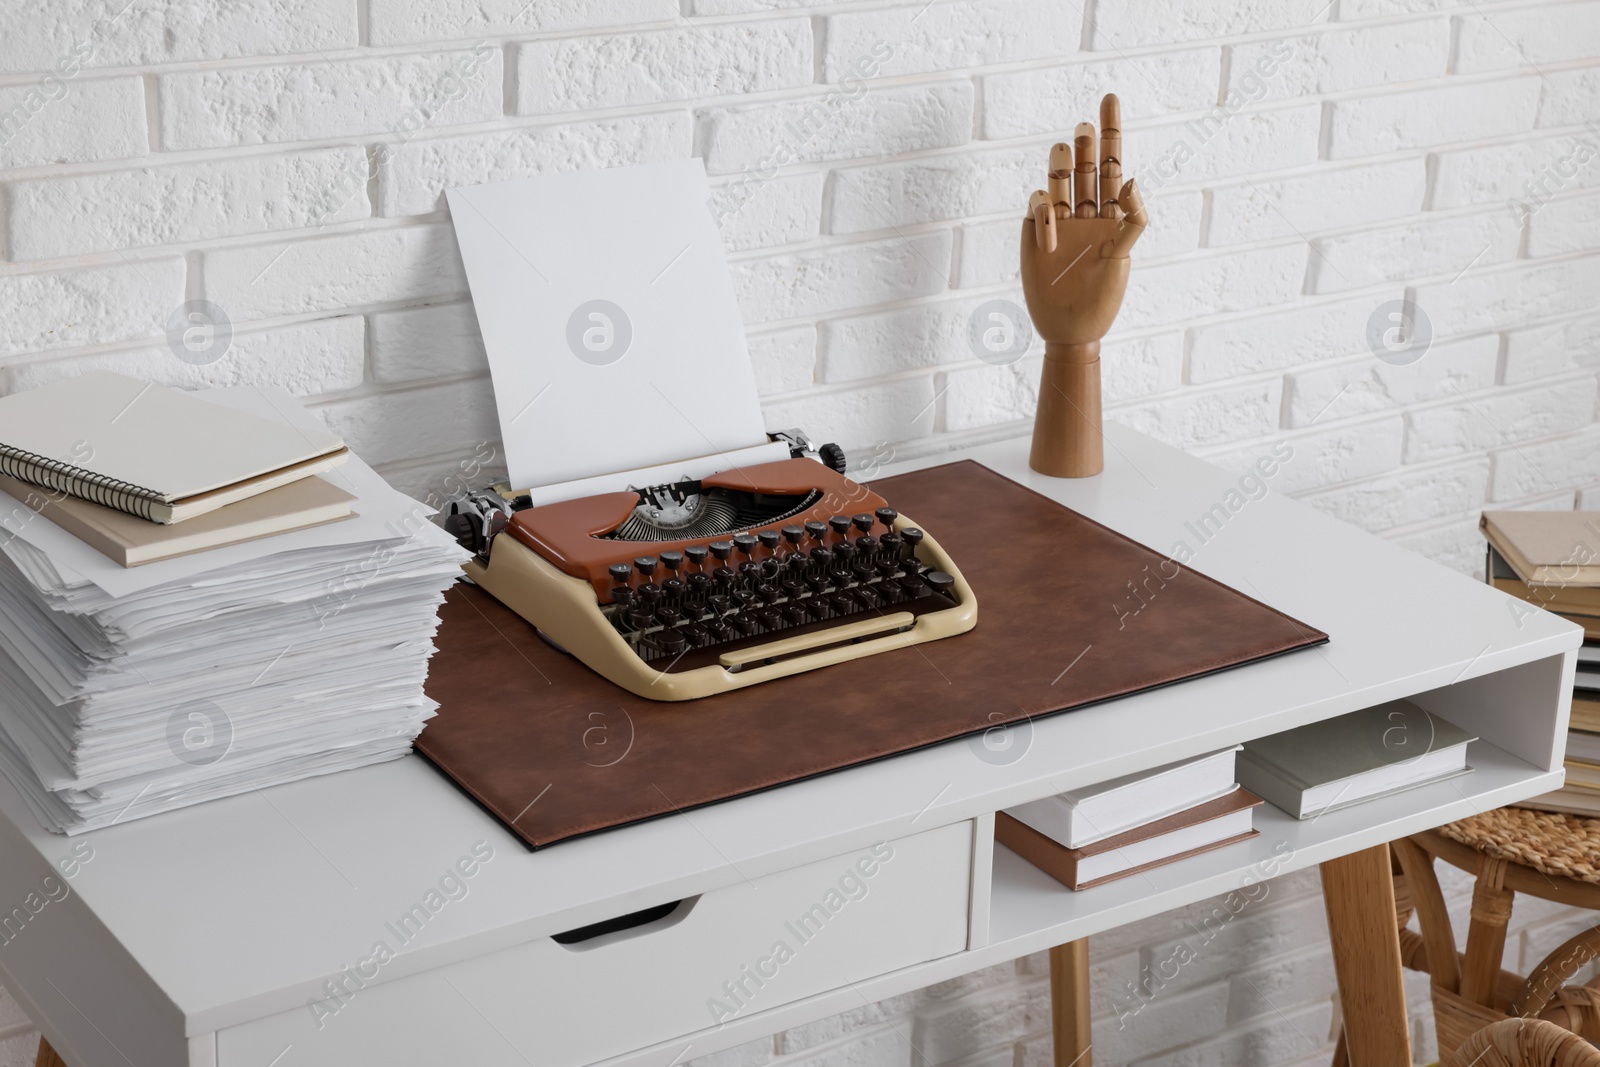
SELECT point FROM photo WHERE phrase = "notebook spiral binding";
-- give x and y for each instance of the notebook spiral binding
(57, 474)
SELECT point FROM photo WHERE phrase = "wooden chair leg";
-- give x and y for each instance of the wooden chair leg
(1358, 891)
(1069, 1003)
(47, 1056)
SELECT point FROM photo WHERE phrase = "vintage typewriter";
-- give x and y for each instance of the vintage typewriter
(687, 589)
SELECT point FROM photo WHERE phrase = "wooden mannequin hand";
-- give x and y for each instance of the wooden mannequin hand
(1076, 238)
(1075, 245)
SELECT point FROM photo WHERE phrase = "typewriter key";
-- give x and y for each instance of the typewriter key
(863, 571)
(646, 566)
(817, 529)
(750, 570)
(674, 587)
(746, 625)
(720, 604)
(796, 615)
(746, 544)
(723, 632)
(698, 636)
(723, 577)
(620, 573)
(940, 581)
(696, 554)
(768, 593)
(890, 590)
(721, 549)
(840, 524)
(912, 535)
(769, 539)
(668, 615)
(817, 583)
(866, 544)
(911, 565)
(747, 599)
(822, 558)
(793, 535)
(868, 597)
(621, 595)
(672, 560)
(887, 517)
(699, 584)
(863, 522)
(641, 618)
(793, 588)
(648, 592)
(844, 604)
(670, 642)
(886, 568)
(891, 542)
(771, 619)
(843, 552)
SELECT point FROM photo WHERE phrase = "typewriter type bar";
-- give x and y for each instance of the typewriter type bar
(680, 591)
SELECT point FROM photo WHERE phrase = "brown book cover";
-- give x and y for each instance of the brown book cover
(1061, 862)
(133, 541)
(1585, 715)
(1564, 600)
(556, 751)
(1547, 547)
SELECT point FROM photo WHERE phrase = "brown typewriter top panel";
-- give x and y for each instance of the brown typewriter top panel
(573, 534)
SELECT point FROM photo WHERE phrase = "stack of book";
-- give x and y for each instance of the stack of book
(1098, 834)
(1551, 560)
(281, 632)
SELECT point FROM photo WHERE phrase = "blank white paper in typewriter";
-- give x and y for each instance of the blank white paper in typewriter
(613, 334)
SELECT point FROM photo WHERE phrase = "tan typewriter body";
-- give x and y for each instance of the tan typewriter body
(562, 597)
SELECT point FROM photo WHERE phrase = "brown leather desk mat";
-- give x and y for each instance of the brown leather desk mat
(520, 722)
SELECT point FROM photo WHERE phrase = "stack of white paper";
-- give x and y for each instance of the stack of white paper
(127, 692)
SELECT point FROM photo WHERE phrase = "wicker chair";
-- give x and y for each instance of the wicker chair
(1510, 851)
(1524, 1043)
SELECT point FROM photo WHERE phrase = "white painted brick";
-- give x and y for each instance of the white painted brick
(986, 395)
(1053, 100)
(433, 421)
(785, 360)
(816, 282)
(412, 21)
(413, 176)
(1281, 339)
(574, 73)
(88, 306)
(1324, 457)
(932, 188)
(1570, 98)
(1307, 203)
(759, 214)
(961, 985)
(1218, 416)
(1555, 348)
(1567, 225)
(1228, 935)
(1407, 496)
(871, 417)
(742, 7)
(975, 1023)
(1499, 418)
(327, 273)
(1485, 298)
(1546, 466)
(822, 1031)
(19, 1050)
(1351, 10)
(838, 124)
(1534, 36)
(884, 1047)
(306, 358)
(415, 344)
(1276, 1039)
(1458, 545)
(1164, 293)
(185, 202)
(79, 121)
(1141, 23)
(1454, 245)
(1172, 1018)
(1369, 385)
(887, 342)
(944, 36)
(301, 101)
(1222, 144)
(109, 33)
(1531, 173)
(1422, 118)
(1338, 60)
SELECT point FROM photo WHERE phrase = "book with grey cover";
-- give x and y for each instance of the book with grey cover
(1332, 764)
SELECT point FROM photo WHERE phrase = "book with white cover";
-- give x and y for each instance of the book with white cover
(158, 453)
(1332, 764)
(1080, 817)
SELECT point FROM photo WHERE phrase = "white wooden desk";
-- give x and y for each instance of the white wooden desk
(203, 936)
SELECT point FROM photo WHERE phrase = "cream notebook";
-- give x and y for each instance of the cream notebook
(150, 451)
(132, 541)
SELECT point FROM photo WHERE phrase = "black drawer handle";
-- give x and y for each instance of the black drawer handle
(630, 925)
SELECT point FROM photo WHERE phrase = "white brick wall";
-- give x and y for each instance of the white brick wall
(1307, 162)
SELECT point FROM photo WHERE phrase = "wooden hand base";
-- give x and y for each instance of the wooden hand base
(1067, 437)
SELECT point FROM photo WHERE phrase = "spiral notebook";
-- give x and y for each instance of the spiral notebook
(150, 451)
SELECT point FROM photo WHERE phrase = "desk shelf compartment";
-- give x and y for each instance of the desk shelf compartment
(714, 959)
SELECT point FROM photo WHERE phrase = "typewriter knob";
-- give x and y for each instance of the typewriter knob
(696, 554)
(672, 560)
(770, 539)
(840, 524)
(817, 529)
(721, 549)
(646, 565)
(941, 581)
(793, 535)
(620, 573)
(745, 543)
(832, 456)
(887, 517)
(912, 535)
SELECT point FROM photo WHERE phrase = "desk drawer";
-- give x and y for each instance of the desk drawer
(728, 954)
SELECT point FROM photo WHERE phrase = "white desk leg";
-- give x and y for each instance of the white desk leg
(1069, 1003)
